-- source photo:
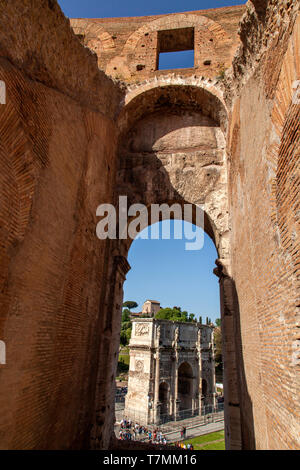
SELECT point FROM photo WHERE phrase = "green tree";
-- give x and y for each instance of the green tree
(125, 315)
(126, 325)
(218, 322)
(123, 338)
(173, 314)
(130, 304)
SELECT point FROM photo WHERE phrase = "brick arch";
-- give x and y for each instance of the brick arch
(137, 92)
(184, 361)
(210, 227)
(212, 86)
(93, 31)
(141, 106)
(173, 22)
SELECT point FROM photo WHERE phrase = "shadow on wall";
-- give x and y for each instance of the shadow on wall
(247, 421)
(237, 390)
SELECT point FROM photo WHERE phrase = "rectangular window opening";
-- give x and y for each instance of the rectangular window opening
(175, 49)
(176, 60)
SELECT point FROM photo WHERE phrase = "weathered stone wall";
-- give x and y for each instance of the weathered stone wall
(57, 163)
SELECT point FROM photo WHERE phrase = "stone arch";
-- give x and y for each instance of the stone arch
(91, 31)
(176, 21)
(163, 396)
(140, 54)
(185, 386)
(94, 36)
(189, 107)
(145, 166)
(203, 85)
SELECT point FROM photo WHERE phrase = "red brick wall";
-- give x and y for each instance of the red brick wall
(127, 48)
(57, 164)
(61, 288)
(264, 211)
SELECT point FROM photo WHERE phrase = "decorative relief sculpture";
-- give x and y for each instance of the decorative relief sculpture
(141, 329)
(139, 365)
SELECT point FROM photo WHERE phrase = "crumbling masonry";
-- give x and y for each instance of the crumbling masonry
(88, 117)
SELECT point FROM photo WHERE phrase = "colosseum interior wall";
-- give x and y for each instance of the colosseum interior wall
(82, 124)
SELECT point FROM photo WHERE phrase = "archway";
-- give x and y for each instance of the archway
(185, 389)
(171, 149)
(163, 397)
(165, 271)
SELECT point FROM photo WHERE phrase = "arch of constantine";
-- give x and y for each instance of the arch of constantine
(171, 370)
(86, 116)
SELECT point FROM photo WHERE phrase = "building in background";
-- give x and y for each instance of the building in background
(149, 309)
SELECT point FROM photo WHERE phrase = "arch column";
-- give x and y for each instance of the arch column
(111, 302)
(232, 414)
(156, 403)
(176, 400)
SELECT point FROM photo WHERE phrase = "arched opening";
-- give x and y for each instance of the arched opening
(163, 270)
(171, 151)
(185, 389)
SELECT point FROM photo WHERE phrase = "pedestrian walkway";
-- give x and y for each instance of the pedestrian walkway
(194, 431)
(196, 426)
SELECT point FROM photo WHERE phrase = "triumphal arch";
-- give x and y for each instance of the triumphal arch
(87, 117)
(171, 371)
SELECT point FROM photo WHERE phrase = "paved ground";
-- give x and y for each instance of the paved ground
(193, 430)
(196, 431)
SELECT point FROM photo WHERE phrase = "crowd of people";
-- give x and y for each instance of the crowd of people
(182, 445)
(130, 431)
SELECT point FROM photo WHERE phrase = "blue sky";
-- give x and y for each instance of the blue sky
(162, 269)
(116, 8)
